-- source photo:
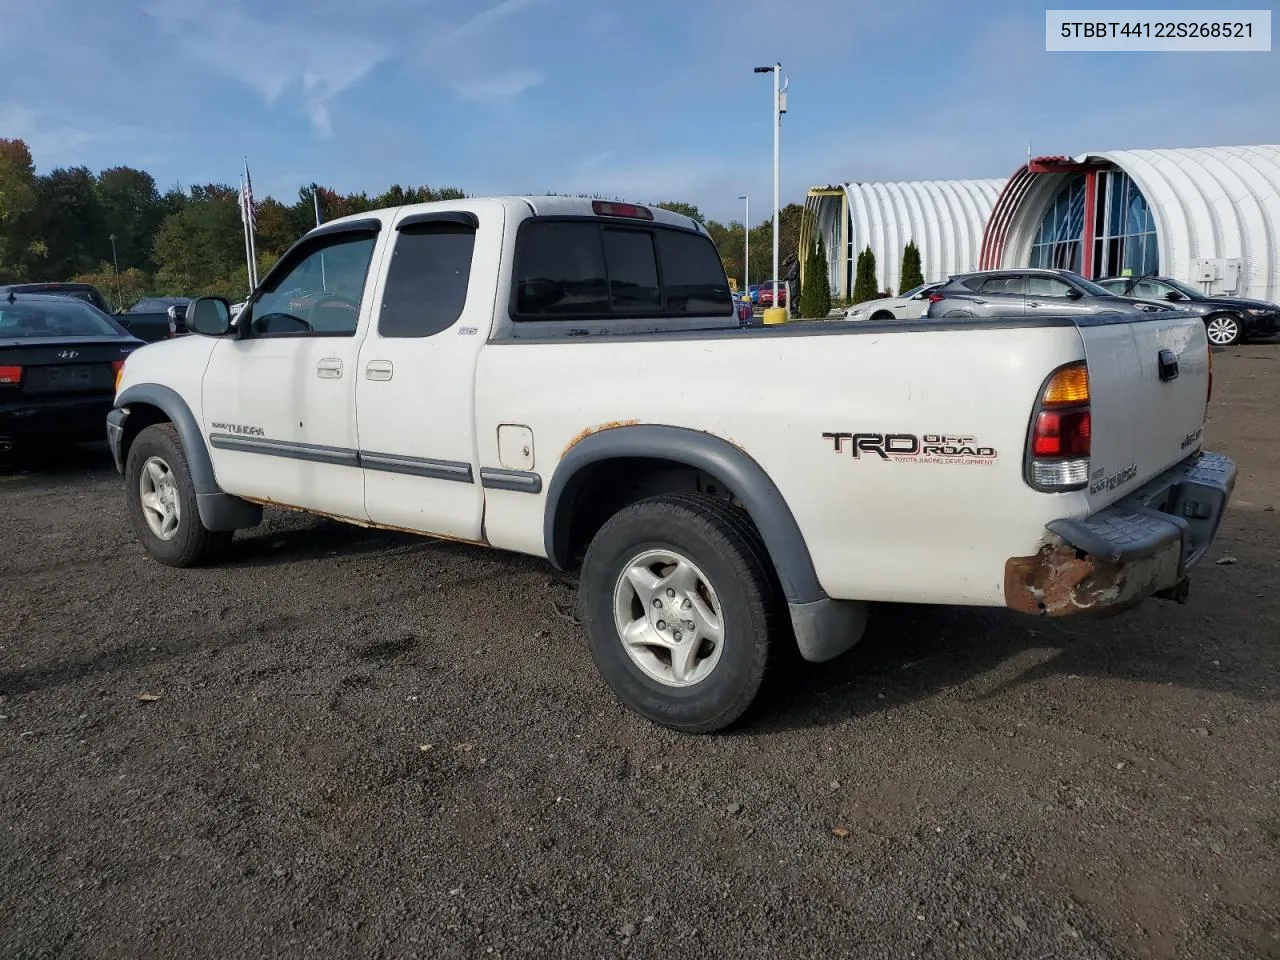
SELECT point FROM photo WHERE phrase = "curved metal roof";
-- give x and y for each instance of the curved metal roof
(945, 218)
(1209, 203)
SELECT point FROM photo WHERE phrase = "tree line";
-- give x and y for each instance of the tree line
(117, 230)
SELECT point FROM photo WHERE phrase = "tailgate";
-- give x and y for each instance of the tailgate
(1148, 386)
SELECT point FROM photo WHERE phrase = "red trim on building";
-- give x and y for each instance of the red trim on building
(1086, 236)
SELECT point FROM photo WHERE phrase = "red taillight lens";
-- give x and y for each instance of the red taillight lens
(935, 297)
(604, 208)
(1061, 434)
(10, 376)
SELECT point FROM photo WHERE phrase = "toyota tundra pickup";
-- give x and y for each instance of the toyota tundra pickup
(568, 378)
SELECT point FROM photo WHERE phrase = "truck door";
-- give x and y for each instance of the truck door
(279, 401)
(416, 377)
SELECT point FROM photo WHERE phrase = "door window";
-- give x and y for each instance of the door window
(1003, 285)
(427, 281)
(319, 294)
(1047, 287)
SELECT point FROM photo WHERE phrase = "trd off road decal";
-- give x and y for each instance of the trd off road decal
(913, 448)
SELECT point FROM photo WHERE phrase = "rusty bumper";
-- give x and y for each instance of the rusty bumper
(1138, 547)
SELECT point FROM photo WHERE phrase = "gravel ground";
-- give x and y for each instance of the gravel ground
(351, 743)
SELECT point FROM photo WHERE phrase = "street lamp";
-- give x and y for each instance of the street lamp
(116, 260)
(746, 244)
(776, 314)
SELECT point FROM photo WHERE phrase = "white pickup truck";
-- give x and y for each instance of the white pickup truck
(568, 378)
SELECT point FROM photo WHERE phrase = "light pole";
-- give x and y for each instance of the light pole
(746, 244)
(776, 314)
(116, 261)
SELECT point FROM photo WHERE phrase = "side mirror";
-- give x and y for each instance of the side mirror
(1175, 296)
(1074, 294)
(210, 316)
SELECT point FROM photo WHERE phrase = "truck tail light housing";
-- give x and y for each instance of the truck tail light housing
(1061, 435)
(606, 208)
(10, 376)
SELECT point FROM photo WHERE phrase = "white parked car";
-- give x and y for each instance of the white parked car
(568, 378)
(912, 305)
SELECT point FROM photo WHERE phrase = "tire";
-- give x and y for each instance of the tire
(723, 552)
(958, 314)
(883, 315)
(1223, 329)
(184, 542)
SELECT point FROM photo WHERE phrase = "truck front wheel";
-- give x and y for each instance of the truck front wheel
(162, 501)
(680, 605)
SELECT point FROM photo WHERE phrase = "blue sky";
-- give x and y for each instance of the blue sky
(649, 100)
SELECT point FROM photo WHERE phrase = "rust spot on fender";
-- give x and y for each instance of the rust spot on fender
(267, 502)
(599, 428)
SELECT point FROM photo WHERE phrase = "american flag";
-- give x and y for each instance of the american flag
(246, 198)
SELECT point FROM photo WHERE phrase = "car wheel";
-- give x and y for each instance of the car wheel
(681, 607)
(883, 315)
(1223, 329)
(162, 501)
(958, 314)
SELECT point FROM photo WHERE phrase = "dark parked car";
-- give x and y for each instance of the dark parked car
(1028, 292)
(1227, 320)
(59, 358)
(156, 318)
(81, 291)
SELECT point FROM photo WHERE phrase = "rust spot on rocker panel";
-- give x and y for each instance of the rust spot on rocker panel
(1059, 581)
(267, 502)
(599, 428)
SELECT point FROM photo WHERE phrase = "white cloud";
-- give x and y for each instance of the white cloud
(489, 17)
(500, 87)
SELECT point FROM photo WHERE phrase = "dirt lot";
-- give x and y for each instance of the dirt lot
(373, 745)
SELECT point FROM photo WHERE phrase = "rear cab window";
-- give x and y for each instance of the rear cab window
(608, 272)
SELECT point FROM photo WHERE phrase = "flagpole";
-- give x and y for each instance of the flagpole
(315, 201)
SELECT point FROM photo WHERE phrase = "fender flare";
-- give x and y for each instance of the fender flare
(702, 451)
(218, 510)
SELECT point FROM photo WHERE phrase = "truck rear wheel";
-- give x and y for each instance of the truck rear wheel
(680, 605)
(162, 501)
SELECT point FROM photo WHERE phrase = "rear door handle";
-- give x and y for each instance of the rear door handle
(1033, 303)
(379, 370)
(330, 368)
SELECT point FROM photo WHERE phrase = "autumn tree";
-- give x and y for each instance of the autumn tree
(17, 197)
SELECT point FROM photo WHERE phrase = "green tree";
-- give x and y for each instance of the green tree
(864, 285)
(815, 298)
(911, 276)
(687, 209)
(17, 198)
(203, 243)
(121, 292)
(67, 221)
(132, 210)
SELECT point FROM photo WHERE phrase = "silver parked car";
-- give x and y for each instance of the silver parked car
(1027, 292)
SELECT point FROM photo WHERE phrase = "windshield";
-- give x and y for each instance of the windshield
(1091, 288)
(52, 318)
(1186, 288)
(916, 291)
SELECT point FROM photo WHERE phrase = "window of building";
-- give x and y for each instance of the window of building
(427, 281)
(1058, 241)
(1125, 230)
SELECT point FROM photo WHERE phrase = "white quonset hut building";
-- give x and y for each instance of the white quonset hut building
(1205, 215)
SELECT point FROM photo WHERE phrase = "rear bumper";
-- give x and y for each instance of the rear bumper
(1140, 546)
(55, 418)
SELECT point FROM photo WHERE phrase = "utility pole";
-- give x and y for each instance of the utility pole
(776, 314)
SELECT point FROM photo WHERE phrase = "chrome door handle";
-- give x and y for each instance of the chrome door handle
(379, 370)
(329, 368)
(1033, 303)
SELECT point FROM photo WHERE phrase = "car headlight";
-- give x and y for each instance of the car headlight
(854, 314)
(1259, 311)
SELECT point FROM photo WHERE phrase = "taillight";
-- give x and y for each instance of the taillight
(1061, 432)
(118, 367)
(935, 297)
(10, 376)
